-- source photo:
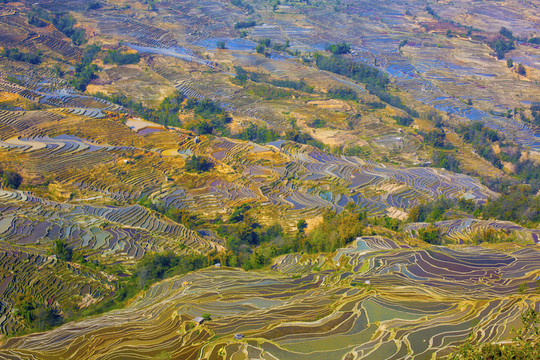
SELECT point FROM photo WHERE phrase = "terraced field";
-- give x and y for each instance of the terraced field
(98, 176)
(107, 233)
(46, 280)
(281, 173)
(376, 299)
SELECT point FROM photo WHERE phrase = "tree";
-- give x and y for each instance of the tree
(521, 70)
(241, 75)
(221, 44)
(61, 250)
(301, 225)
(509, 63)
(10, 179)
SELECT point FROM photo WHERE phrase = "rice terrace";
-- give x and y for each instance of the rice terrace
(272, 179)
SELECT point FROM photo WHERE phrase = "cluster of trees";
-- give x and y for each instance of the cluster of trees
(335, 231)
(241, 75)
(121, 58)
(35, 315)
(242, 5)
(258, 134)
(85, 71)
(182, 216)
(15, 54)
(245, 24)
(302, 138)
(10, 179)
(357, 150)
(404, 120)
(65, 23)
(437, 139)
(535, 113)
(434, 211)
(501, 46)
(431, 12)
(369, 75)
(445, 160)
(210, 118)
(267, 43)
(506, 33)
(152, 268)
(339, 48)
(252, 245)
(62, 250)
(376, 82)
(196, 163)
(430, 234)
(376, 105)
(221, 44)
(291, 84)
(482, 139)
(158, 266)
(94, 5)
(167, 111)
(342, 93)
(84, 74)
(317, 123)
(517, 203)
(270, 92)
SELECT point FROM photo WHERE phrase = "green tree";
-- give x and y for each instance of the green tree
(61, 249)
(301, 225)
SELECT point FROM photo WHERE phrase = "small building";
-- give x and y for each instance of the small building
(198, 319)
(217, 265)
(238, 336)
